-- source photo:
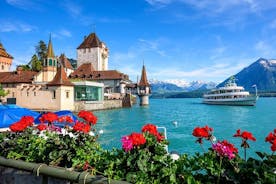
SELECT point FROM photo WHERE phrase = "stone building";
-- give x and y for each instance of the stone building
(94, 51)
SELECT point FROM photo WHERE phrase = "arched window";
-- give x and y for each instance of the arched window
(2, 67)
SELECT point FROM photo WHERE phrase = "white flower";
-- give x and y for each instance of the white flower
(174, 156)
(91, 133)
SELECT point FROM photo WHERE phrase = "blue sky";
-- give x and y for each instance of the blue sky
(190, 40)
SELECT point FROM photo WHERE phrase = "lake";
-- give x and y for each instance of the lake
(189, 113)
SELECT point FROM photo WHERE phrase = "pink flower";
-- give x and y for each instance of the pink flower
(127, 143)
(225, 149)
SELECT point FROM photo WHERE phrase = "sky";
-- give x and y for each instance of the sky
(207, 40)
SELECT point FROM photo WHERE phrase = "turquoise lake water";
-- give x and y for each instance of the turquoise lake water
(189, 113)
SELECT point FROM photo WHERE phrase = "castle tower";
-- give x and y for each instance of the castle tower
(5, 60)
(49, 64)
(143, 88)
(92, 50)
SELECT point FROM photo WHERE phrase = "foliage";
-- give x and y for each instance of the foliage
(36, 64)
(41, 50)
(37, 59)
(143, 157)
(3, 93)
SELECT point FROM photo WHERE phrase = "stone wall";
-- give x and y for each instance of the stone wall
(106, 104)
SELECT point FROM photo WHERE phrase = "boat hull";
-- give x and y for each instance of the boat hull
(249, 101)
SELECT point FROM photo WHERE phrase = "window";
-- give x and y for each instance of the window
(34, 93)
(27, 93)
(54, 94)
(67, 94)
(50, 62)
(2, 67)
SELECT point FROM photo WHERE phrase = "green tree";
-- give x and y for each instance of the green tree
(41, 50)
(36, 65)
(3, 93)
(40, 54)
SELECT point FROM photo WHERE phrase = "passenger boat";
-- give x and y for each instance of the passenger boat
(230, 94)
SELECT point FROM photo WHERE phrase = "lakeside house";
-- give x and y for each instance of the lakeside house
(58, 86)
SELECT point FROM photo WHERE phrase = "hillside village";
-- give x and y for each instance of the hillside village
(58, 86)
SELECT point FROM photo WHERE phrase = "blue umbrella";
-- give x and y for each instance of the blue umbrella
(9, 116)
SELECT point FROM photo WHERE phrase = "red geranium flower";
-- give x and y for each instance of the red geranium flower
(88, 116)
(22, 124)
(245, 135)
(81, 127)
(202, 132)
(41, 127)
(49, 117)
(137, 139)
(150, 128)
(271, 138)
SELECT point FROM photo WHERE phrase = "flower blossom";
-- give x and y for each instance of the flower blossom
(225, 149)
(126, 143)
(88, 116)
(137, 139)
(152, 129)
(245, 136)
(271, 138)
(22, 124)
(202, 132)
(81, 127)
(49, 117)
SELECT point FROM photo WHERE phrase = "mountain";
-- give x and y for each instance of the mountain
(179, 85)
(261, 73)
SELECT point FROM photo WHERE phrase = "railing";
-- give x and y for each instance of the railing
(56, 172)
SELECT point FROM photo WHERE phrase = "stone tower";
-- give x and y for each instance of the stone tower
(5, 60)
(92, 50)
(49, 68)
(143, 88)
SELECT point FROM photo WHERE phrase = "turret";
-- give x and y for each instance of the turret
(49, 63)
(143, 88)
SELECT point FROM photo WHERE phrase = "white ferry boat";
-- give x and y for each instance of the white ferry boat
(230, 94)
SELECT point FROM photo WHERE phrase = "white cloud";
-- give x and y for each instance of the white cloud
(216, 72)
(14, 26)
(151, 45)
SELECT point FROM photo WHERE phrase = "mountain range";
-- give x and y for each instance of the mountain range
(179, 85)
(261, 73)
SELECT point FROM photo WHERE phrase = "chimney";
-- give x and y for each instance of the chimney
(19, 69)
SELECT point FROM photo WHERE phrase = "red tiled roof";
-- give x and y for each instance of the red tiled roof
(17, 77)
(144, 80)
(60, 79)
(90, 41)
(65, 62)
(86, 71)
(3, 52)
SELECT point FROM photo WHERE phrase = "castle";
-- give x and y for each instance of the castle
(59, 87)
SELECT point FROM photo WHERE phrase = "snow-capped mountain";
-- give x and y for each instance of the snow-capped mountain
(261, 73)
(179, 85)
